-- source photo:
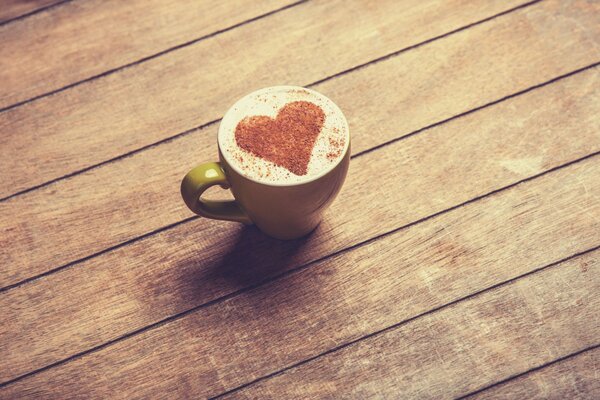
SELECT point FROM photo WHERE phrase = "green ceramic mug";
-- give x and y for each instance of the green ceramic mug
(284, 210)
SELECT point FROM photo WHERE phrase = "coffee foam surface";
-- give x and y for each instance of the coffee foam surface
(330, 146)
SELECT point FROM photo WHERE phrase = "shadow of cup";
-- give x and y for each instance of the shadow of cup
(237, 258)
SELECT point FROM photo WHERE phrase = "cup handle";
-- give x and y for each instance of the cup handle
(201, 178)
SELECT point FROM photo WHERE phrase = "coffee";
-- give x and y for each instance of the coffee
(284, 135)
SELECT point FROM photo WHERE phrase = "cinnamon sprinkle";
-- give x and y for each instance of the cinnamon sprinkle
(287, 140)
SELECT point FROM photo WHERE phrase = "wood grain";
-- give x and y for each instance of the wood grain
(573, 378)
(82, 39)
(103, 207)
(461, 348)
(148, 102)
(197, 262)
(372, 287)
(11, 9)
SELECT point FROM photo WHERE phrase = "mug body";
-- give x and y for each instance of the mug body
(287, 211)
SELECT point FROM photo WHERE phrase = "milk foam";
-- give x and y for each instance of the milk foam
(330, 147)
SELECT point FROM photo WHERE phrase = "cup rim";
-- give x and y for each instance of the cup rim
(283, 184)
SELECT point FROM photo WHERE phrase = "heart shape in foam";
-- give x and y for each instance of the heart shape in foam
(288, 140)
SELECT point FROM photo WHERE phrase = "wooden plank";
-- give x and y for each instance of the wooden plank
(11, 9)
(372, 287)
(197, 262)
(196, 84)
(573, 378)
(102, 207)
(456, 350)
(82, 39)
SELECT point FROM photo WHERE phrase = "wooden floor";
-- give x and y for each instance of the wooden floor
(462, 258)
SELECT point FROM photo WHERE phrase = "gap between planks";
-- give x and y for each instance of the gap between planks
(34, 12)
(212, 122)
(530, 371)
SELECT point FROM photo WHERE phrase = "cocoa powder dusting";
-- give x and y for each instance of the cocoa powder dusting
(287, 140)
(337, 146)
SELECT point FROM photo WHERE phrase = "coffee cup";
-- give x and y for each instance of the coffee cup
(284, 153)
